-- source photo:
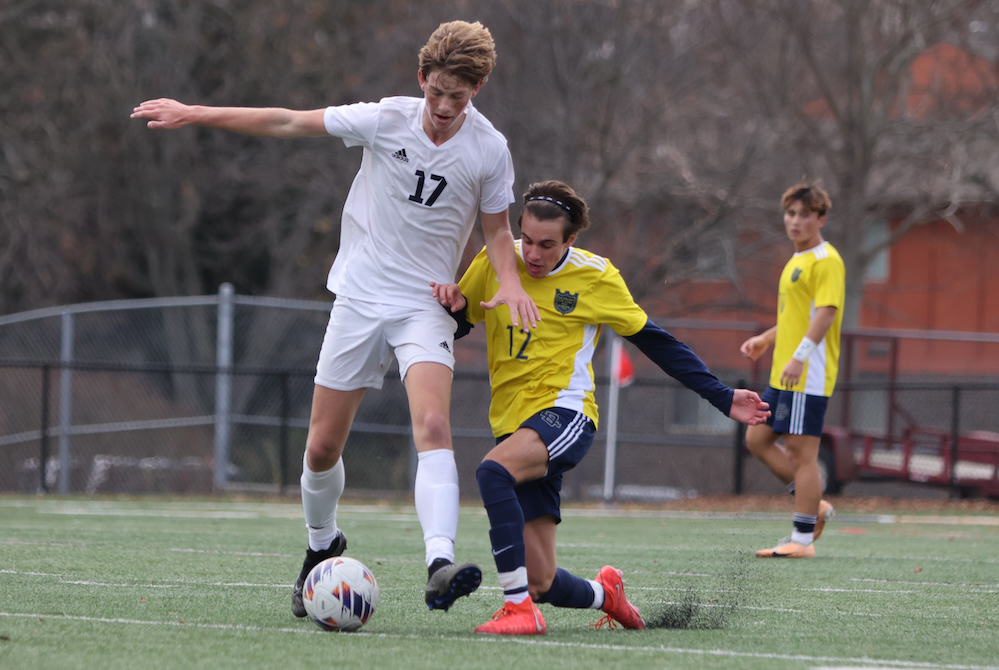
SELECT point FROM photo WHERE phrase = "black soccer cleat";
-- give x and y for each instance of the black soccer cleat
(450, 582)
(312, 559)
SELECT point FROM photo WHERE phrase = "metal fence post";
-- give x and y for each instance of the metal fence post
(65, 400)
(955, 435)
(740, 439)
(223, 386)
(43, 457)
(613, 394)
(283, 432)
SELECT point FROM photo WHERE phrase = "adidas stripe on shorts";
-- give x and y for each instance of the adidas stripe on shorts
(568, 435)
(795, 413)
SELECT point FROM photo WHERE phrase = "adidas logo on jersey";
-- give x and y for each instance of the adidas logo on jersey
(401, 155)
(443, 345)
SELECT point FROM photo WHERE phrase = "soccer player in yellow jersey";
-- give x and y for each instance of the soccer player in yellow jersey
(805, 361)
(542, 410)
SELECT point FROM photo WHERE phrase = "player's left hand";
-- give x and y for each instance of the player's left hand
(792, 373)
(748, 408)
(523, 311)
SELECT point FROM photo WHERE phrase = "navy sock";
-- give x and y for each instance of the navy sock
(804, 523)
(568, 590)
(506, 518)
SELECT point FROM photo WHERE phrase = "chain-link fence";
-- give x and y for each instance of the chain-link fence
(212, 394)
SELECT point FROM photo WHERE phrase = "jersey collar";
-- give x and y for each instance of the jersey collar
(416, 124)
(815, 248)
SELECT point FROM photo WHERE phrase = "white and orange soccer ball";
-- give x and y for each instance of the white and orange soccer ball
(340, 594)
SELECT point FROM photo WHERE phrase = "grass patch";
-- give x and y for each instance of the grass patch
(175, 584)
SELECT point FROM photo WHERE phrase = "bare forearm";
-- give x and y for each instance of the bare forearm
(502, 255)
(167, 114)
(264, 122)
(769, 336)
(821, 322)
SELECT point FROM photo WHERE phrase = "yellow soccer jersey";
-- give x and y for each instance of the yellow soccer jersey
(811, 279)
(550, 366)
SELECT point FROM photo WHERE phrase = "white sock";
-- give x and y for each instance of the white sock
(437, 502)
(515, 580)
(804, 539)
(321, 492)
(598, 594)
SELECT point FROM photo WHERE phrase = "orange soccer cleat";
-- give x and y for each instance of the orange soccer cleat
(515, 619)
(616, 605)
(788, 550)
(826, 512)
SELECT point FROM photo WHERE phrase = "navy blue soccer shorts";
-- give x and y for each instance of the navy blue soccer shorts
(568, 435)
(794, 412)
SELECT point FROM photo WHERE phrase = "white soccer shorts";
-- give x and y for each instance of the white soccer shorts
(362, 337)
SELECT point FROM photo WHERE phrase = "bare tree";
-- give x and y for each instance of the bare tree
(834, 83)
(681, 122)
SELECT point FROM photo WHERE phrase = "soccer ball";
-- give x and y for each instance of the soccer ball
(340, 594)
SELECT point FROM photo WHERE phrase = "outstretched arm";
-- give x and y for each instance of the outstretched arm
(503, 257)
(164, 113)
(678, 361)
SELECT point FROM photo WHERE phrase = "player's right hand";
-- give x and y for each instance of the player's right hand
(449, 295)
(163, 113)
(754, 347)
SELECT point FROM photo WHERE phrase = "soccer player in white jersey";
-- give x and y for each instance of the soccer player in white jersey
(542, 409)
(810, 300)
(430, 165)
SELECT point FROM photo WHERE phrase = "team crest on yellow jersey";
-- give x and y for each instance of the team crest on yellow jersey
(565, 301)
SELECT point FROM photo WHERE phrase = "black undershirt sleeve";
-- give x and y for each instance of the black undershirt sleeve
(678, 361)
(461, 318)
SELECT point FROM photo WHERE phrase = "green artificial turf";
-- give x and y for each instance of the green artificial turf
(177, 584)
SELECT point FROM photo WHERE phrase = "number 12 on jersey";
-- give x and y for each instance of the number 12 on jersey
(421, 181)
(523, 347)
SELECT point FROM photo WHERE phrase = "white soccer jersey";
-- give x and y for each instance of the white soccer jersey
(412, 205)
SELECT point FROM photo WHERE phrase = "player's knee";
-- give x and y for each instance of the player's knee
(322, 451)
(493, 478)
(759, 439)
(756, 445)
(433, 430)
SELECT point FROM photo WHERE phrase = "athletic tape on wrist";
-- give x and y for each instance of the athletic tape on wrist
(804, 350)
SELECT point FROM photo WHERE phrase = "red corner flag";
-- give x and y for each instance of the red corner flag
(625, 369)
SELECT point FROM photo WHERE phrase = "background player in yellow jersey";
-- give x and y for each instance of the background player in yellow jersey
(805, 362)
(542, 409)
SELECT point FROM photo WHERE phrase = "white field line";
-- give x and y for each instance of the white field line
(180, 584)
(408, 513)
(657, 589)
(228, 553)
(885, 593)
(866, 663)
(908, 583)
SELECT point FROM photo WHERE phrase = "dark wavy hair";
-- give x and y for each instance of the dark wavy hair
(547, 200)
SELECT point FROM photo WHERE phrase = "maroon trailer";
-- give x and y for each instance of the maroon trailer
(924, 455)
